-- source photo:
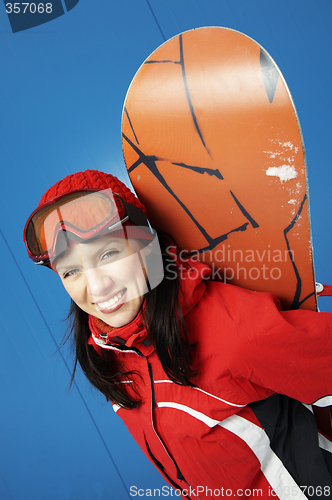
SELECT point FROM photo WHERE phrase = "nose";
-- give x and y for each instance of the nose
(99, 282)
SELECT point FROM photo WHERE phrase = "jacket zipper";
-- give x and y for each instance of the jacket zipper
(179, 474)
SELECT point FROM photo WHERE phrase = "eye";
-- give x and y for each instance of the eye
(70, 272)
(109, 254)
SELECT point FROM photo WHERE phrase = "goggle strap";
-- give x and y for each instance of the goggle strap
(137, 216)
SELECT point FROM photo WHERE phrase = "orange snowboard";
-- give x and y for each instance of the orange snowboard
(213, 146)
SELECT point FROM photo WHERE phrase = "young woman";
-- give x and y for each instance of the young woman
(214, 382)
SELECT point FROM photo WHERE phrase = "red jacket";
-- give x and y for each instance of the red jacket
(213, 440)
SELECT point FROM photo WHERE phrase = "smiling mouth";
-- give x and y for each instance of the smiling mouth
(112, 301)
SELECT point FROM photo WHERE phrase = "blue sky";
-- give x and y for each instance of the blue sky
(62, 89)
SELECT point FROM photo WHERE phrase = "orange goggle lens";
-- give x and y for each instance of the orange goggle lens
(83, 213)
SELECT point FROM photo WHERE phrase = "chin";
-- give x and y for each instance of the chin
(124, 315)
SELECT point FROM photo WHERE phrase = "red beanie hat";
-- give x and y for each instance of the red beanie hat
(92, 179)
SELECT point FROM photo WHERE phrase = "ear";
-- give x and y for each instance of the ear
(147, 249)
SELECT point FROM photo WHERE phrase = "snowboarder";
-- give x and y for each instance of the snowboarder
(214, 382)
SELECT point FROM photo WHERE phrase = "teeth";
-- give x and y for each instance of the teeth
(111, 302)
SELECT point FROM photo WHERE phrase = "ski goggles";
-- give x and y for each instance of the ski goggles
(81, 216)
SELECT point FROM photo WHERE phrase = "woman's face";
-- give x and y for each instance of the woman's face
(106, 278)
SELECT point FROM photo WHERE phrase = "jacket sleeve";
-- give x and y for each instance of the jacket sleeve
(288, 352)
